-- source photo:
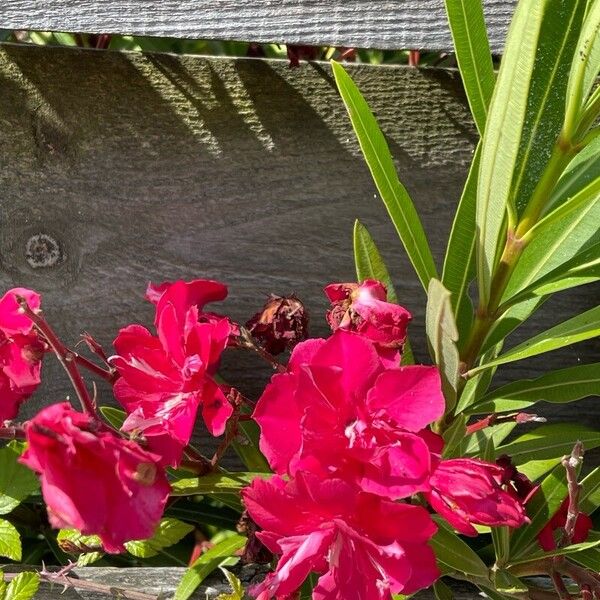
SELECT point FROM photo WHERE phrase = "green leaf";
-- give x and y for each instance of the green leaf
(370, 265)
(10, 541)
(501, 542)
(168, 532)
(536, 469)
(16, 481)
(442, 336)
(215, 483)
(542, 506)
(582, 269)
(393, 193)
(578, 329)
(585, 67)
(589, 498)
(549, 441)
(87, 548)
(115, 416)
(580, 172)
(206, 564)
(467, 24)
(2, 585)
(459, 263)
(588, 558)
(237, 589)
(453, 554)
(476, 443)
(477, 386)
(442, 591)
(568, 550)
(454, 435)
(546, 102)
(368, 260)
(507, 583)
(23, 587)
(247, 448)
(565, 385)
(502, 137)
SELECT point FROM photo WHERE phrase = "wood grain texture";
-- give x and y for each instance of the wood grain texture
(163, 580)
(359, 23)
(154, 167)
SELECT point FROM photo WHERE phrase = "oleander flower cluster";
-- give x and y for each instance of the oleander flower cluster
(360, 480)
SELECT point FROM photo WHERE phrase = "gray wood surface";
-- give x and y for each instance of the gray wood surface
(162, 582)
(154, 167)
(360, 23)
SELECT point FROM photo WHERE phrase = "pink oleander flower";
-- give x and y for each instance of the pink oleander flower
(93, 480)
(339, 412)
(363, 309)
(21, 352)
(198, 293)
(362, 545)
(583, 524)
(166, 378)
(467, 491)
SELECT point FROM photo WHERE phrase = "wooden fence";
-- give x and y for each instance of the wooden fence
(134, 167)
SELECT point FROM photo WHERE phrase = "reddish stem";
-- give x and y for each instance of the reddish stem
(110, 376)
(64, 355)
(571, 463)
(12, 432)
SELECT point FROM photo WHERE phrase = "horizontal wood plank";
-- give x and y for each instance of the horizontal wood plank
(384, 24)
(163, 581)
(154, 167)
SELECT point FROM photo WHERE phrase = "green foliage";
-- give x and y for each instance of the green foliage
(169, 532)
(23, 587)
(87, 548)
(214, 558)
(16, 481)
(214, 483)
(394, 195)
(10, 541)
(237, 589)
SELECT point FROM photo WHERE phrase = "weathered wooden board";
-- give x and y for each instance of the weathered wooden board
(157, 580)
(358, 23)
(154, 167)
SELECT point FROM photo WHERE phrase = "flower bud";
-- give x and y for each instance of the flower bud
(280, 325)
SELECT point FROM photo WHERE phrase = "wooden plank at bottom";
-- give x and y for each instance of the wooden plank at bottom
(153, 167)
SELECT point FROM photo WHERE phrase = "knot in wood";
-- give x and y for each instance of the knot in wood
(43, 251)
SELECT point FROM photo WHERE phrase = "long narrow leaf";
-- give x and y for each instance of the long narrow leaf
(502, 136)
(459, 263)
(467, 24)
(565, 385)
(370, 265)
(585, 66)
(206, 564)
(546, 102)
(578, 329)
(394, 195)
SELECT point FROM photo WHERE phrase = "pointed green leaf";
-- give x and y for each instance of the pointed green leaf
(453, 554)
(503, 133)
(540, 509)
(589, 558)
(115, 416)
(87, 548)
(16, 481)
(578, 329)
(589, 497)
(393, 193)
(467, 24)
(23, 587)
(549, 441)
(565, 385)
(370, 265)
(546, 102)
(442, 591)
(237, 589)
(459, 263)
(168, 532)
(442, 336)
(10, 541)
(585, 67)
(536, 469)
(507, 583)
(214, 483)
(206, 564)
(247, 447)
(454, 435)
(476, 443)
(592, 541)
